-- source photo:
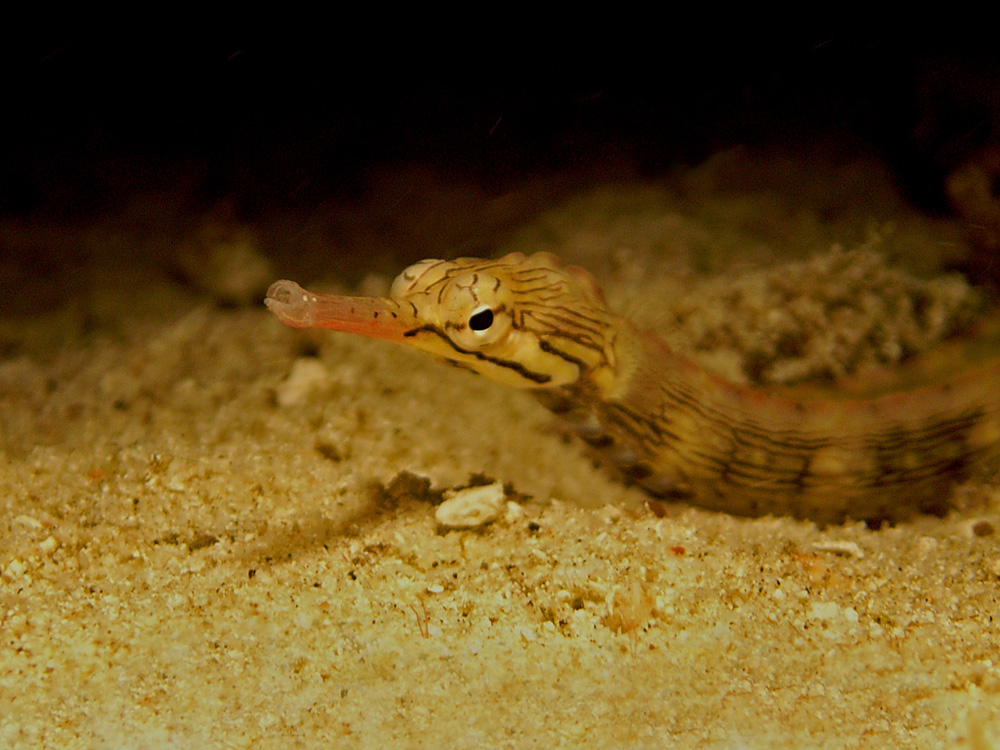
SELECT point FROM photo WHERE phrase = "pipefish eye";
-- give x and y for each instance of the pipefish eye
(476, 310)
(481, 320)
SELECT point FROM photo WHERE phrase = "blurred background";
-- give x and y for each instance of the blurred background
(271, 122)
(277, 116)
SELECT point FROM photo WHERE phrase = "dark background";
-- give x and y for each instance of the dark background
(279, 118)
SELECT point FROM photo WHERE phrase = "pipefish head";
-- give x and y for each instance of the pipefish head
(525, 321)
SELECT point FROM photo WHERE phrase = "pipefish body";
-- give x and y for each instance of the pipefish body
(662, 421)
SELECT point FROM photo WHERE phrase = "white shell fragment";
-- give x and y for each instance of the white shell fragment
(471, 507)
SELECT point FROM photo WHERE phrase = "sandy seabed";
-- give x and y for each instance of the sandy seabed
(219, 532)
